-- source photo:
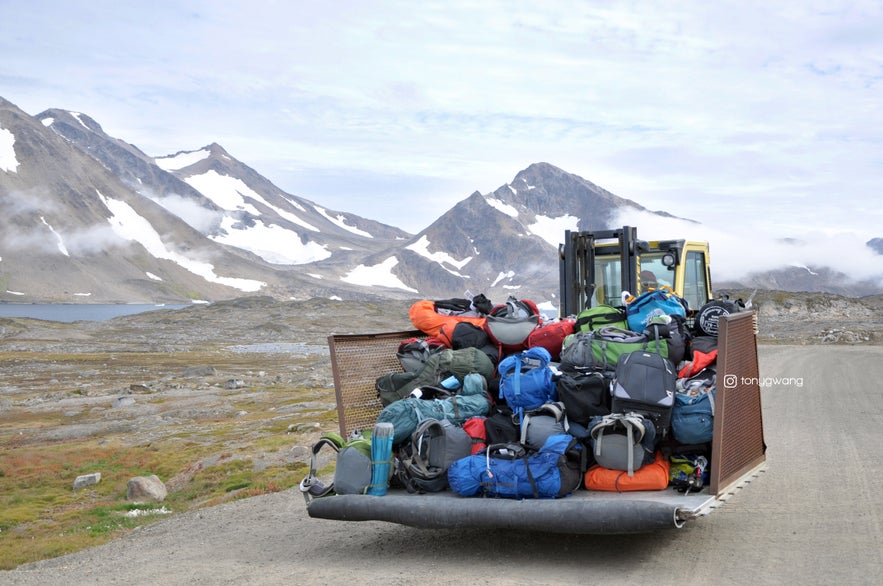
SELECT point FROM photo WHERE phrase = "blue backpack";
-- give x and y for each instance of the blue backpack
(692, 417)
(526, 379)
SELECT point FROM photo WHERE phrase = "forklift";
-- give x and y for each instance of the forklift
(606, 267)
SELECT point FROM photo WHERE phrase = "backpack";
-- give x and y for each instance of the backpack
(622, 441)
(688, 471)
(511, 471)
(601, 349)
(652, 303)
(645, 382)
(439, 366)
(476, 428)
(434, 446)
(692, 417)
(501, 426)
(406, 414)
(414, 352)
(479, 305)
(427, 319)
(551, 335)
(705, 321)
(597, 317)
(468, 335)
(584, 395)
(510, 324)
(526, 379)
(352, 471)
(539, 424)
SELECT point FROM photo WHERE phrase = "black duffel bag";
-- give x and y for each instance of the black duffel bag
(585, 394)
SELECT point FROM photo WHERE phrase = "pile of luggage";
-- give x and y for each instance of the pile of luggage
(495, 400)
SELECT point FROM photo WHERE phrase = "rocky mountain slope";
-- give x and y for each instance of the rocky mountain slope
(87, 217)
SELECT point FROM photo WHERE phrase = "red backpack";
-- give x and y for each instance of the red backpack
(550, 335)
(474, 427)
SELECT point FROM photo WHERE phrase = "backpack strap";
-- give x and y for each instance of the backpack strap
(515, 451)
(633, 424)
(311, 487)
(421, 452)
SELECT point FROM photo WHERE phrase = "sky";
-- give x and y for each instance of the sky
(760, 119)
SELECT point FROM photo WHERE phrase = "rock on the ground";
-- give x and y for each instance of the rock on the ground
(146, 488)
(87, 480)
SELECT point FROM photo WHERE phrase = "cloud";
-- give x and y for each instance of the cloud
(732, 104)
(736, 253)
(196, 216)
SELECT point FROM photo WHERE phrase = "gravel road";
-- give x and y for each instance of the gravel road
(813, 518)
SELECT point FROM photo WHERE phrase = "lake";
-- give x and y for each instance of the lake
(71, 312)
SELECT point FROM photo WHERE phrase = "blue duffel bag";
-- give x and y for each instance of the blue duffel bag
(647, 305)
(510, 471)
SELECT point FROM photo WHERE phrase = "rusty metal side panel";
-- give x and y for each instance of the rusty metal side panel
(357, 360)
(738, 445)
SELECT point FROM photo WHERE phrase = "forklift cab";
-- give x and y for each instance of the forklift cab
(598, 267)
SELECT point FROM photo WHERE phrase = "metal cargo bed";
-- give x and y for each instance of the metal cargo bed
(738, 453)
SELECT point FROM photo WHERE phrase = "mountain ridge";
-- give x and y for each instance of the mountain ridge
(214, 228)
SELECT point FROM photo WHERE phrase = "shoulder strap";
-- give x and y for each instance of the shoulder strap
(311, 486)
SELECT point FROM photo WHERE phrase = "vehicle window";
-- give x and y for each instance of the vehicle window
(608, 282)
(695, 287)
(653, 273)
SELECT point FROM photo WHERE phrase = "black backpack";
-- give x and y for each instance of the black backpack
(645, 383)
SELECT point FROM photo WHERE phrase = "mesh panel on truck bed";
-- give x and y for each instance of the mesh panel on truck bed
(356, 362)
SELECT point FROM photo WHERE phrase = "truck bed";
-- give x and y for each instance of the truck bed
(738, 454)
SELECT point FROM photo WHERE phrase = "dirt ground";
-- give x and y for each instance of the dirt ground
(813, 517)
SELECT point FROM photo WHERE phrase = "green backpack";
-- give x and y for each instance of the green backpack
(352, 471)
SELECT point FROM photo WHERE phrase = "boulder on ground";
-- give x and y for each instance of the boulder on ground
(146, 488)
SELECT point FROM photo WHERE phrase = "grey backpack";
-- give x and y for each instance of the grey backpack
(434, 446)
(622, 441)
(539, 424)
(352, 471)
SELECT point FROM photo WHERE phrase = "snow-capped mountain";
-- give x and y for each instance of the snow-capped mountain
(88, 217)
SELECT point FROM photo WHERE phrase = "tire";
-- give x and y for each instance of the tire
(705, 322)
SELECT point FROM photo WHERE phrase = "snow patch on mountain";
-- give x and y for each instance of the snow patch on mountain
(272, 243)
(8, 162)
(77, 115)
(379, 275)
(181, 160)
(421, 247)
(229, 193)
(501, 276)
(502, 206)
(127, 224)
(58, 239)
(552, 229)
(339, 220)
